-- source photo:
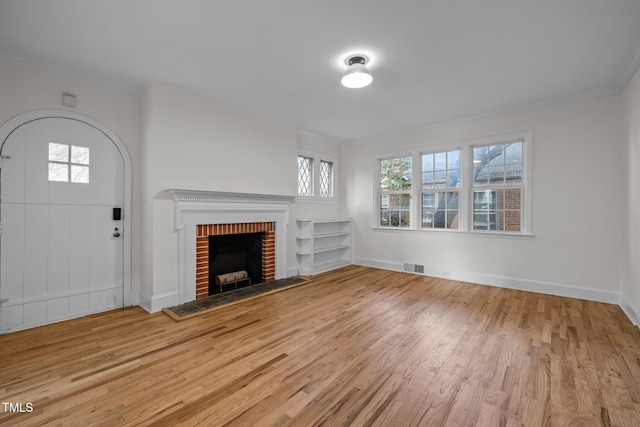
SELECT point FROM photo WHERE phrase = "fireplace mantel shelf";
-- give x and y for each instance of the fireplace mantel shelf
(202, 196)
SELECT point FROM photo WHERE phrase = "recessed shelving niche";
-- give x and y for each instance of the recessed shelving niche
(323, 244)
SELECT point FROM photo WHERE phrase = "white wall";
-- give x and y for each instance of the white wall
(576, 188)
(314, 209)
(630, 136)
(586, 166)
(193, 143)
(25, 88)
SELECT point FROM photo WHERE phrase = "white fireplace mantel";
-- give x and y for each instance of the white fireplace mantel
(200, 196)
(193, 207)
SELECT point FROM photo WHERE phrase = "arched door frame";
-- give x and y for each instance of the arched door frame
(10, 126)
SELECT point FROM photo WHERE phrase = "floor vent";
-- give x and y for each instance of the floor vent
(413, 268)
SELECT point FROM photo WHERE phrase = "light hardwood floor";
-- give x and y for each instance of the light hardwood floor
(357, 346)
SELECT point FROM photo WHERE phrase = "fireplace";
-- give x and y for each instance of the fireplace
(228, 248)
(200, 214)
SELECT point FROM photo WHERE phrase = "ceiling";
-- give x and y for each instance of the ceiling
(433, 61)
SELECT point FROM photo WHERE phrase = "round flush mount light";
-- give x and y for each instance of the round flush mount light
(357, 75)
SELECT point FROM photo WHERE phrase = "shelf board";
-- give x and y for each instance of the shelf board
(330, 248)
(331, 234)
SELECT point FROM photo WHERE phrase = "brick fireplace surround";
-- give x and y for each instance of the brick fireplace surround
(199, 214)
(203, 231)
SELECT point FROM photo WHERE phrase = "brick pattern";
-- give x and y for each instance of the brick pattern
(510, 210)
(203, 232)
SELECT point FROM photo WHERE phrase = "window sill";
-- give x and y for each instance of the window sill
(486, 234)
(303, 199)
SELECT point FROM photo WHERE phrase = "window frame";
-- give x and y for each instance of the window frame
(401, 192)
(498, 190)
(330, 182)
(316, 188)
(446, 189)
(69, 164)
(311, 163)
(466, 189)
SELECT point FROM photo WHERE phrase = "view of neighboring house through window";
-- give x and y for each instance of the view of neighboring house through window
(474, 186)
(68, 163)
(305, 176)
(395, 192)
(497, 187)
(440, 189)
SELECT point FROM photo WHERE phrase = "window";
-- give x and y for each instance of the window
(395, 192)
(476, 186)
(68, 163)
(305, 176)
(440, 189)
(326, 178)
(316, 176)
(497, 186)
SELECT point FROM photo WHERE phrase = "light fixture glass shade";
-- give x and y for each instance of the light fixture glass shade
(356, 76)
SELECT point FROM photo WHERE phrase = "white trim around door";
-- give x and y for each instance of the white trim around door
(129, 297)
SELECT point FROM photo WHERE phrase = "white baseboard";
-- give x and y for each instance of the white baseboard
(158, 302)
(134, 299)
(630, 309)
(543, 287)
(376, 263)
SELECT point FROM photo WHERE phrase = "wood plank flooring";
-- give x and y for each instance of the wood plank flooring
(357, 346)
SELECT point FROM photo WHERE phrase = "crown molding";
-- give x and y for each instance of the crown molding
(68, 72)
(629, 70)
(582, 97)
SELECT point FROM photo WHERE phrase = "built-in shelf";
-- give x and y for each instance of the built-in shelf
(323, 244)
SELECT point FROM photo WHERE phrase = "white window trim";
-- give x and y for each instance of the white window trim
(377, 191)
(317, 157)
(466, 186)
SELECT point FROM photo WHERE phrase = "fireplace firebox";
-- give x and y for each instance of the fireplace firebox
(231, 253)
(240, 241)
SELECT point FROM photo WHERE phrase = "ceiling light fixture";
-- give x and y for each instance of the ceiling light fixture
(357, 75)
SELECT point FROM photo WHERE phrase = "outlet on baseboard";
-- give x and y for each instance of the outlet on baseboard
(446, 275)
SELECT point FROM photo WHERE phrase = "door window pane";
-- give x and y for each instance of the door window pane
(80, 174)
(68, 163)
(58, 172)
(58, 152)
(79, 155)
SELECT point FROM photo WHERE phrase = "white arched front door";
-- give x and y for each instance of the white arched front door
(62, 245)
